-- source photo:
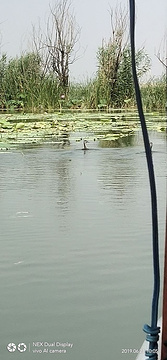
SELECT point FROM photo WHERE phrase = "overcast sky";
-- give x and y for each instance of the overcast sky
(17, 17)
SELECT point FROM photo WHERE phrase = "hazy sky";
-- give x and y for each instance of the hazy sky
(17, 17)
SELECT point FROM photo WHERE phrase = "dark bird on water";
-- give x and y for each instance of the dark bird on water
(84, 145)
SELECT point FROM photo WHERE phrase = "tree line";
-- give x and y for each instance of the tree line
(39, 80)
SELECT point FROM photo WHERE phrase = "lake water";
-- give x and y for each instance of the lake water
(76, 260)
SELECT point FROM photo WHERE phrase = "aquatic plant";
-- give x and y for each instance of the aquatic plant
(57, 129)
(23, 85)
(154, 94)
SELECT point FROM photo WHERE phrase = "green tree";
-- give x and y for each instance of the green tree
(110, 54)
(124, 89)
(114, 74)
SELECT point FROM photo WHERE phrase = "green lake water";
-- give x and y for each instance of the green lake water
(76, 260)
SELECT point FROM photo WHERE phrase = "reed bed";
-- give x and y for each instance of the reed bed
(25, 86)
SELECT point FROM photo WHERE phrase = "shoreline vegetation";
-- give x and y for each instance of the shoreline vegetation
(39, 80)
(24, 87)
(40, 104)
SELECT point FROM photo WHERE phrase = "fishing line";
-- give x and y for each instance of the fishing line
(152, 331)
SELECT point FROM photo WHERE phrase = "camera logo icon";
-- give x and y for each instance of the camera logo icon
(22, 347)
(11, 347)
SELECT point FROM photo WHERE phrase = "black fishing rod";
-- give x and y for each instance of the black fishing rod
(153, 330)
(164, 305)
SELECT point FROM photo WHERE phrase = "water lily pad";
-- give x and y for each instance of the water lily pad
(19, 126)
(19, 129)
(4, 124)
